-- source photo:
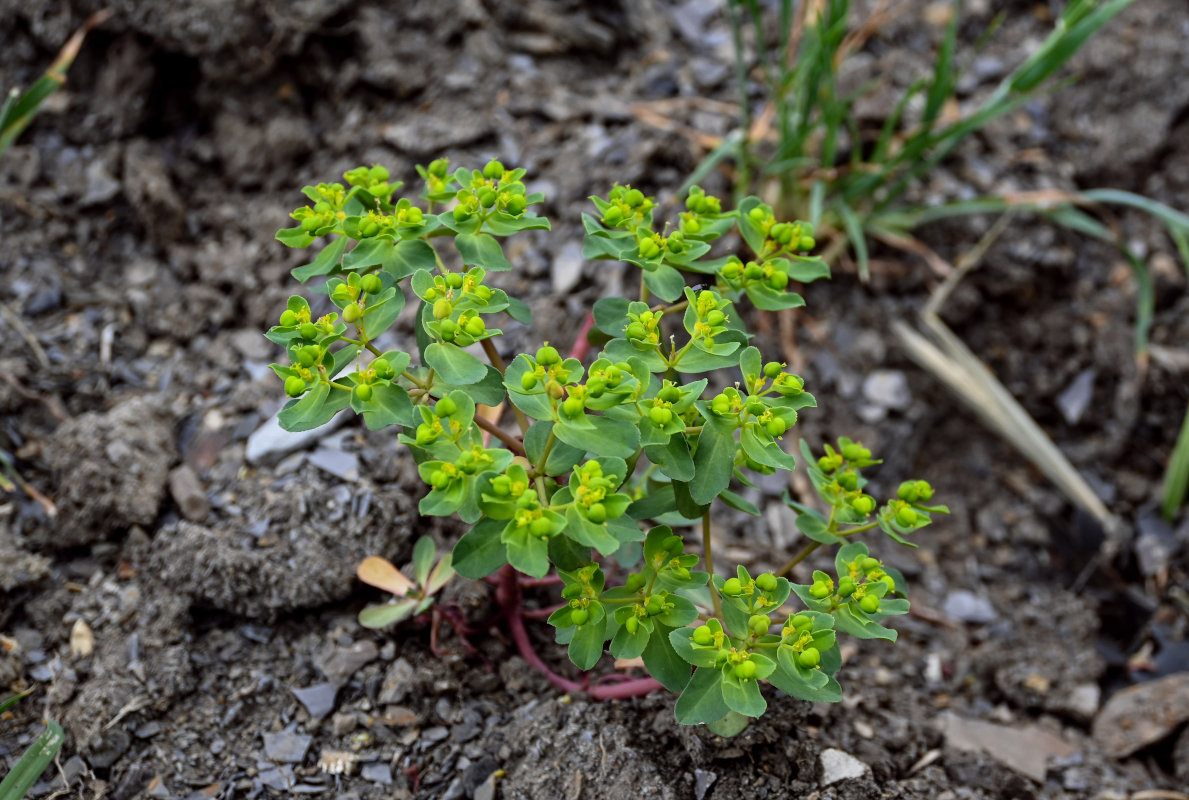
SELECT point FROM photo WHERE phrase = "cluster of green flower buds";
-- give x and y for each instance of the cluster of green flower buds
(773, 274)
(669, 556)
(438, 422)
(326, 213)
(805, 640)
(547, 370)
(379, 370)
(492, 189)
(593, 488)
(780, 236)
(644, 328)
(710, 316)
(373, 179)
(627, 208)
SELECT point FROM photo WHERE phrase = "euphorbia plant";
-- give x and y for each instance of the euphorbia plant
(611, 456)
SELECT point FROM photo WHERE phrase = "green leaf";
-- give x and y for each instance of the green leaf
(502, 224)
(382, 311)
(489, 391)
(808, 270)
(683, 645)
(686, 505)
(587, 533)
(410, 256)
(665, 282)
(586, 648)
(750, 231)
(743, 696)
(662, 660)
(376, 251)
(381, 616)
(702, 698)
(295, 237)
(655, 503)
(764, 450)
(455, 365)
(32, 763)
(314, 409)
(696, 361)
(791, 685)
(519, 311)
(605, 436)
(766, 298)
(562, 457)
(738, 503)
(527, 553)
(481, 550)
(732, 724)
(815, 528)
(423, 553)
(611, 315)
(673, 458)
(714, 461)
(631, 645)
(325, 262)
(390, 405)
(482, 250)
(859, 627)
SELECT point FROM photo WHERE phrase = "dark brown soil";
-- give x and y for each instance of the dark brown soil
(138, 269)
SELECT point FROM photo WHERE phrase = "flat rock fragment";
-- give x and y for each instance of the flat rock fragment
(1023, 749)
(1142, 715)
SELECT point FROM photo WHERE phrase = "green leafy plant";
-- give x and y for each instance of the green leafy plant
(34, 760)
(637, 439)
(20, 108)
(854, 185)
(410, 597)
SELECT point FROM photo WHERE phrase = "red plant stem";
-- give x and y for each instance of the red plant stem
(581, 345)
(636, 687)
(541, 613)
(507, 594)
(532, 583)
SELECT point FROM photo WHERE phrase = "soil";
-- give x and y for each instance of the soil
(188, 613)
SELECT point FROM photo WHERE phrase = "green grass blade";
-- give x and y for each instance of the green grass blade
(12, 701)
(732, 145)
(30, 766)
(19, 114)
(1176, 477)
(1170, 217)
(858, 239)
(1077, 25)
(942, 87)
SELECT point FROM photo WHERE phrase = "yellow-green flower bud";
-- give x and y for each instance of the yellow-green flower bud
(294, 386)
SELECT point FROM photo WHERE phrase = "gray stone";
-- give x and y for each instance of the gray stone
(318, 699)
(567, 267)
(887, 388)
(101, 186)
(1023, 749)
(1075, 398)
(838, 765)
(966, 606)
(703, 780)
(342, 662)
(486, 790)
(187, 492)
(398, 682)
(337, 462)
(376, 773)
(288, 746)
(269, 443)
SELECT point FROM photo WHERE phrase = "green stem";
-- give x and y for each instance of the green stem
(643, 288)
(497, 361)
(409, 377)
(708, 557)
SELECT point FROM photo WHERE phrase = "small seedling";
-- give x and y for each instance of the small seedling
(410, 597)
(613, 456)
